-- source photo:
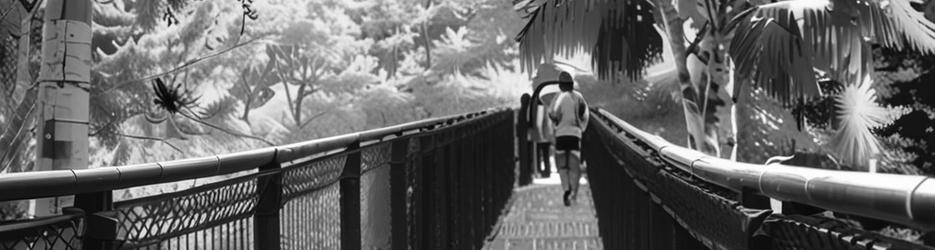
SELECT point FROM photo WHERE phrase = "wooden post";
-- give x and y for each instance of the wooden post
(64, 81)
(350, 200)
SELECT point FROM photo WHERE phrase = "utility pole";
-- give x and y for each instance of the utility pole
(64, 82)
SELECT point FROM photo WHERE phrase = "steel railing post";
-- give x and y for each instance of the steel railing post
(350, 200)
(101, 231)
(426, 216)
(523, 143)
(472, 184)
(442, 195)
(398, 186)
(266, 232)
(750, 199)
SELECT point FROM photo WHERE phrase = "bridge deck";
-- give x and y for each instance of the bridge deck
(537, 219)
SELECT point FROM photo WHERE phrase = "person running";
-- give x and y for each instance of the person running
(569, 114)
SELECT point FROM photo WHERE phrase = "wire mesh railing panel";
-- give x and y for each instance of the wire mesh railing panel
(59, 232)
(236, 234)
(375, 156)
(811, 232)
(310, 217)
(375, 217)
(186, 219)
(312, 220)
(308, 177)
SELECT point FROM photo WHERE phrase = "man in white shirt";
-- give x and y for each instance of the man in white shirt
(569, 114)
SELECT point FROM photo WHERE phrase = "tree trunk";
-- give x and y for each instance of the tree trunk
(246, 111)
(249, 102)
(426, 42)
(712, 72)
(297, 107)
(64, 81)
(694, 121)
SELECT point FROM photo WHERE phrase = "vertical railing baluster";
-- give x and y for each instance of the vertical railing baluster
(456, 205)
(266, 219)
(398, 186)
(441, 195)
(428, 166)
(350, 199)
(472, 184)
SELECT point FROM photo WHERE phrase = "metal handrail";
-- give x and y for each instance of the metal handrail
(903, 199)
(38, 184)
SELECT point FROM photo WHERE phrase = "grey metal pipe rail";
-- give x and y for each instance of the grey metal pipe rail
(29, 185)
(902, 199)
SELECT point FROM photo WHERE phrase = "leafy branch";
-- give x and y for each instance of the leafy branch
(227, 131)
(163, 140)
(184, 66)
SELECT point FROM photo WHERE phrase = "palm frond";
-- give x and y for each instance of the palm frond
(833, 36)
(620, 34)
(901, 25)
(615, 54)
(774, 57)
(858, 112)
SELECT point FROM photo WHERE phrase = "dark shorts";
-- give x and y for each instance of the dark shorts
(567, 143)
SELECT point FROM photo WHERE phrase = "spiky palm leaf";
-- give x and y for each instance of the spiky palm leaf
(858, 112)
(779, 44)
(620, 34)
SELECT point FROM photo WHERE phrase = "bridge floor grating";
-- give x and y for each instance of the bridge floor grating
(538, 220)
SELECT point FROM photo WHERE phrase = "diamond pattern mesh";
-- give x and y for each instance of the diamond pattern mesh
(375, 156)
(150, 220)
(61, 232)
(311, 214)
(312, 221)
(311, 176)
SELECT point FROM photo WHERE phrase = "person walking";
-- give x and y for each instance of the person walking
(569, 114)
(544, 137)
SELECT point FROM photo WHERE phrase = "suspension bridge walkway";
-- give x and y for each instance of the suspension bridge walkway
(466, 182)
